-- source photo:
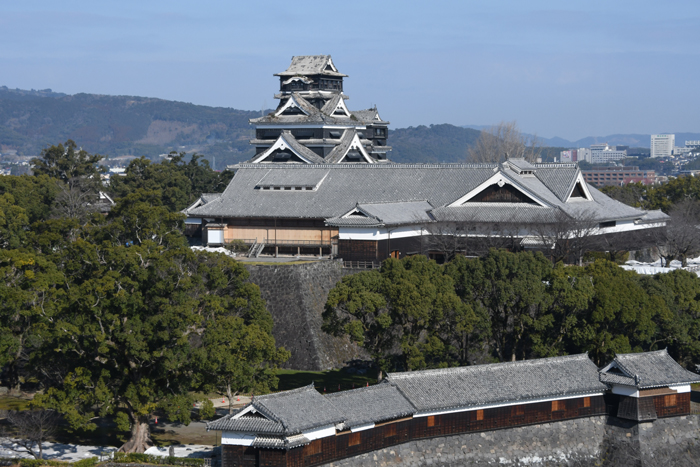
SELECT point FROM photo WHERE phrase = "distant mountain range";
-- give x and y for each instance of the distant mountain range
(122, 125)
(127, 125)
(631, 140)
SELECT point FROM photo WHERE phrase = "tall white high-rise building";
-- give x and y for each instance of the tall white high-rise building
(662, 145)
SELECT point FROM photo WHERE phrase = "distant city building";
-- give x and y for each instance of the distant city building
(601, 176)
(692, 144)
(602, 153)
(662, 145)
(596, 154)
(678, 151)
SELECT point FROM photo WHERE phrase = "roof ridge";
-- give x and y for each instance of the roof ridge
(487, 366)
(275, 395)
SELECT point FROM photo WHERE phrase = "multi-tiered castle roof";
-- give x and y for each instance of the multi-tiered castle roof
(312, 123)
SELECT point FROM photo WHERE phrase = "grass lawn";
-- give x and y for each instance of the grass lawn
(291, 379)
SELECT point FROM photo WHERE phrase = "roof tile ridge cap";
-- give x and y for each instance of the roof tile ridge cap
(394, 202)
(486, 366)
(374, 387)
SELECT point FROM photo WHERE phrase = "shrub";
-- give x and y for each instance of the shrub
(207, 411)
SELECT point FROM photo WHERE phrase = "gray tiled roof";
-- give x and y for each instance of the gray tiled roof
(309, 65)
(300, 148)
(316, 116)
(207, 197)
(304, 178)
(286, 413)
(246, 424)
(496, 212)
(279, 442)
(559, 180)
(347, 185)
(481, 385)
(651, 369)
(298, 410)
(338, 152)
(372, 404)
(369, 115)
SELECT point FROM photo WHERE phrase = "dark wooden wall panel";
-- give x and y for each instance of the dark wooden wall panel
(357, 250)
(681, 407)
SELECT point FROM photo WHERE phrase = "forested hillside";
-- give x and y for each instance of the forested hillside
(140, 126)
(120, 125)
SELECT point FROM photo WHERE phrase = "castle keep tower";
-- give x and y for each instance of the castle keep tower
(312, 124)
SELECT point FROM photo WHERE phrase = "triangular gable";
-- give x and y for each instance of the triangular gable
(329, 66)
(281, 145)
(498, 180)
(292, 103)
(340, 109)
(579, 190)
(354, 212)
(356, 145)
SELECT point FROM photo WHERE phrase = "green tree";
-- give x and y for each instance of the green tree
(179, 183)
(511, 290)
(13, 223)
(680, 291)
(35, 195)
(67, 162)
(126, 339)
(30, 295)
(240, 357)
(406, 314)
(676, 190)
(622, 316)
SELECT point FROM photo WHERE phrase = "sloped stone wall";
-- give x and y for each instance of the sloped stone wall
(592, 441)
(296, 296)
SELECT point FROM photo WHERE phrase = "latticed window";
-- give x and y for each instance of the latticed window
(479, 414)
(670, 400)
(586, 401)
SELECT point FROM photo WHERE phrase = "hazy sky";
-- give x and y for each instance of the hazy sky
(560, 68)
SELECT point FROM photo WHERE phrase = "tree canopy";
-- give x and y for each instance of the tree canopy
(113, 314)
(515, 306)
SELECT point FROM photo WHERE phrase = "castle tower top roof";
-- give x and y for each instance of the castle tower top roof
(307, 65)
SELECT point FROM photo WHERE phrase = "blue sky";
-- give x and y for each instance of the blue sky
(569, 69)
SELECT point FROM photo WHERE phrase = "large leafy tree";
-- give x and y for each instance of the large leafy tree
(67, 162)
(31, 294)
(178, 181)
(139, 302)
(511, 290)
(406, 314)
(622, 316)
(680, 291)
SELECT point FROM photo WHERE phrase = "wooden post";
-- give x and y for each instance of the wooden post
(320, 252)
(276, 250)
(298, 251)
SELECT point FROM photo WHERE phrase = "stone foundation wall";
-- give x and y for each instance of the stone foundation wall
(296, 296)
(584, 442)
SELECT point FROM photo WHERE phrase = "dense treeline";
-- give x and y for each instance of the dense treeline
(114, 314)
(414, 314)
